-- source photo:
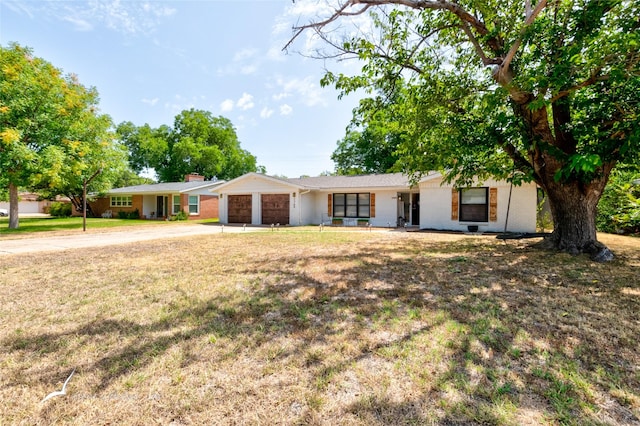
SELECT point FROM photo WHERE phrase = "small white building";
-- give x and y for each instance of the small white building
(383, 200)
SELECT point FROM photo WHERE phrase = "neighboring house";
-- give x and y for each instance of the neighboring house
(380, 200)
(31, 203)
(194, 196)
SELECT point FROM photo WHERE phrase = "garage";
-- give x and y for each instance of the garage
(239, 209)
(275, 209)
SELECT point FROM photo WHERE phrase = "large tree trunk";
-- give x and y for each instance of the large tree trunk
(14, 218)
(574, 208)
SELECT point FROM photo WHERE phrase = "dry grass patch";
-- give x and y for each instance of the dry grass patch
(368, 328)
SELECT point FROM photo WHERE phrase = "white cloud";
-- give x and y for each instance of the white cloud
(245, 102)
(285, 109)
(266, 112)
(79, 24)
(151, 102)
(281, 96)
(248, 69)
(128, 17)
(244, 54)
(276, 54)
(307, 90)
(227, 105)
(245, 61)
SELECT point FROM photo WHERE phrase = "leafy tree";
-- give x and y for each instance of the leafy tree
(128, 177)
(93, 158)
(619, 206)
(545, 92)
(51, 136)
(197, 143)
(372, 142)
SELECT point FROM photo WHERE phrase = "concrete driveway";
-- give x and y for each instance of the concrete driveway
(10, 244)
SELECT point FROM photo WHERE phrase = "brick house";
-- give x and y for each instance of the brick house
(194, 196)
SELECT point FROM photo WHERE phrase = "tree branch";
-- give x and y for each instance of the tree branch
(516, 44)
(450, 6)
(476, 45)
(588, 82)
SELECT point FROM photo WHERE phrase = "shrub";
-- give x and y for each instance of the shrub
(60, 209)
(619, 207)
(122, 215)
(134, 214)
(182, 215)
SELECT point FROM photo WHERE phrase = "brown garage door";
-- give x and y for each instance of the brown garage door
(275, 209)
(239, 209)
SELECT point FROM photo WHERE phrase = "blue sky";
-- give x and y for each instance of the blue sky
(149, 60)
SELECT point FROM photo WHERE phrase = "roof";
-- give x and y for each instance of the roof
(373, 181)
(166, 187)
(388, 180)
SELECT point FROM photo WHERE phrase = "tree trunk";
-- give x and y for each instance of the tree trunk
(574, 208)
(14, 218)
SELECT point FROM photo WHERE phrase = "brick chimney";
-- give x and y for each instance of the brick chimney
(193, 177)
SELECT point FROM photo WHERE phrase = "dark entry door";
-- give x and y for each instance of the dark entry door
(160, 206)
(415, 209)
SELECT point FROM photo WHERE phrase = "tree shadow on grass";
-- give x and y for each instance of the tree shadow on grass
(510, 333)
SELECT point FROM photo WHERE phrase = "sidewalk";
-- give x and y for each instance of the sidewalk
(9, 245)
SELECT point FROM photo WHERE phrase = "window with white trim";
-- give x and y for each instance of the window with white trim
(474, 205)
(194, 204)
(121, 201)
(176, 205)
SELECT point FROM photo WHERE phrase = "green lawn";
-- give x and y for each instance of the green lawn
(49, 224)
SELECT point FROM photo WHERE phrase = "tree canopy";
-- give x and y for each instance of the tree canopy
(545, 92)
(371, 145)
(52, 136)
(198, 142)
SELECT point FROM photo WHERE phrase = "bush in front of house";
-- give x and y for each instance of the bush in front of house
(60, 209)
(182, 215)
(129, 215)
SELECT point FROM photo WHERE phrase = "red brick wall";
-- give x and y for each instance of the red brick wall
(103, 204)
(208, 207)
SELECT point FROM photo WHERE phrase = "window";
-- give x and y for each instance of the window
(473, 205)
(176, 204)
(194, 204)
(351, 205)
(121, 201)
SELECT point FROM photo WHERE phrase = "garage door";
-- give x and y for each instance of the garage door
(239, 209)
(275, 209)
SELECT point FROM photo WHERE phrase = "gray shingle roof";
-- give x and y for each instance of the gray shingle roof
(388, 180)
(166, 187)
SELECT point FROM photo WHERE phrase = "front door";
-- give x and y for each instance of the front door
(160, 206)
(415, 209)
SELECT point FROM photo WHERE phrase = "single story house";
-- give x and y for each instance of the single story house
(29, 202)
(194, 196)
(382, 200)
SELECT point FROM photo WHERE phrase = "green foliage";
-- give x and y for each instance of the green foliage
(197, 143)
(181, 215)
(481, 89)
(129, 178)
(52, 138)
(619, 207)
(58, 209)
(129, 215)
(134, 214)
